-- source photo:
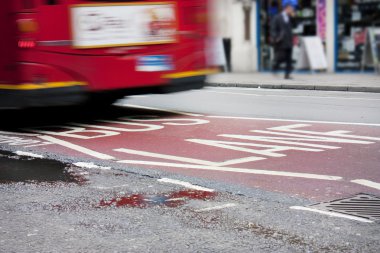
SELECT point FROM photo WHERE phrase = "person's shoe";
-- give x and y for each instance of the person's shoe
(288, 77)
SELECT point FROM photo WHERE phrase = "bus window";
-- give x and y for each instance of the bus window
(28, 4)
(52, 2)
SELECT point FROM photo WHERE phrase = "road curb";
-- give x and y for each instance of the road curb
(298, 87)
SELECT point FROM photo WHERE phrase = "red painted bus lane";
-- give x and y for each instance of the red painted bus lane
(309, 159)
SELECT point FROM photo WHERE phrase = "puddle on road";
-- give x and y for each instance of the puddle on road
(14, 168)
(173, 199)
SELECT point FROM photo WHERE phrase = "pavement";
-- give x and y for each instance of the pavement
(220, 169)
(363, 82)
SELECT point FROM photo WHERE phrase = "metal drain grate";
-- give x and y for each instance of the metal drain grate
(362, 205)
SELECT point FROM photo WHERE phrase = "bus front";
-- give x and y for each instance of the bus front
(72, 50)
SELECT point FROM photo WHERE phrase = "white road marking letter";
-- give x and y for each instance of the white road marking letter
(282, 140)
(17, 141)
(17, 133)
(268, 150)
(339, 133)
(76, 147)
(313, 138)
(166, 157)
(142, 127)
(77, 132)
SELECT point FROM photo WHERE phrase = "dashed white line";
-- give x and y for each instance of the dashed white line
(90, 166)
(22, 153)
(76, 147)
(216, 208)
(338, 215)
(367, 183)
(185, 184)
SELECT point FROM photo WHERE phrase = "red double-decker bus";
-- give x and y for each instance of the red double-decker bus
(63, 52)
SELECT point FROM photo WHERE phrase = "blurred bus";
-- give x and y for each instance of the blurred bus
(65, 52)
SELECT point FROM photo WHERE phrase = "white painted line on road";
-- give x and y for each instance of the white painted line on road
(160, 109)
(216, 208)
(76, 147)
(293, 96)
(38, 145)
(296, 120)
(235, 170)
(175, 199)
(22, 153)
(367, 183)
(185, 184)
(332, 214)
(110, 187)
(167, 157)
(90, 166)
(17, 133)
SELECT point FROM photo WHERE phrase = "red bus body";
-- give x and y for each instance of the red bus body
(41, 66)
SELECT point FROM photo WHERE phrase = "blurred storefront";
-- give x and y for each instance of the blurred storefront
(342, 26)
(354, 19)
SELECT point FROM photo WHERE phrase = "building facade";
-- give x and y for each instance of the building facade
(342, 26)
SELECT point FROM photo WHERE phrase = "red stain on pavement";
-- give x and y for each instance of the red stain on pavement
(174, 199)
(136, 200)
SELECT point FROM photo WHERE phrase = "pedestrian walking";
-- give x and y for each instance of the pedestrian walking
(282, 39)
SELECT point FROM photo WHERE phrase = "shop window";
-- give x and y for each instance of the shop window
(355, 17)
(305, 25)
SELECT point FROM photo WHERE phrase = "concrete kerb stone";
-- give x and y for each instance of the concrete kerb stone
(331, 88)
(298, 87)
(365, 89)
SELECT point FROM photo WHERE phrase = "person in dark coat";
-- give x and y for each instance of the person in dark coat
(282, 39)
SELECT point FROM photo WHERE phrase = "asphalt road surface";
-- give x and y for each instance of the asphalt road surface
(212, 170)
